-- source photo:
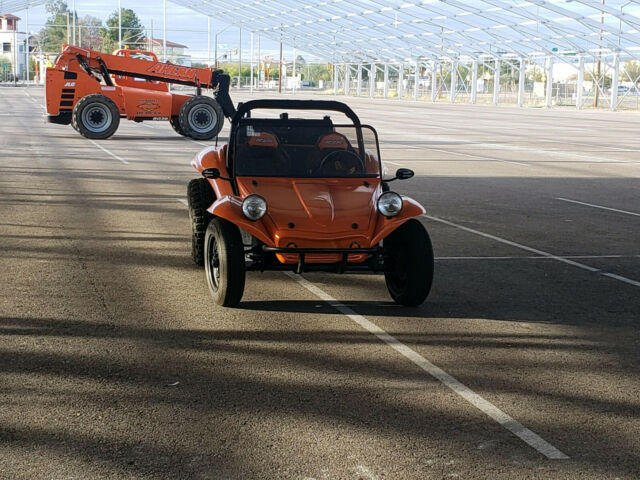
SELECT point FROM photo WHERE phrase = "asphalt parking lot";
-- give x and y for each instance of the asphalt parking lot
(523, 363)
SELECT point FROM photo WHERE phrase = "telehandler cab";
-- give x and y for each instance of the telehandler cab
(91, 91)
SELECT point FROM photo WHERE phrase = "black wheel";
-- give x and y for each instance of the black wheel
(95, 116)
(408, 257)
(201, 118)
(224, 262)
(200, 196)
(175, 123)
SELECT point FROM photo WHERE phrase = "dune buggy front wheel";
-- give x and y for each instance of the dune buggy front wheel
(408, 257)
(200, 196)
(224, 262)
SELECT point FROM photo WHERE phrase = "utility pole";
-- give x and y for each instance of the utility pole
(119, 25)
(240, 54)
(595, 98)
(259, 60)
(73, 13)
(280, 70)
(164, 30)
(68, 32)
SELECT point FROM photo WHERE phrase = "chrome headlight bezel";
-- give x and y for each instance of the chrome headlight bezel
(387, 200)
(254, 207)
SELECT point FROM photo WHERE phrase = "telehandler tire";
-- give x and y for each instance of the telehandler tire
(175, 124)
(95, 116)
(201, 118)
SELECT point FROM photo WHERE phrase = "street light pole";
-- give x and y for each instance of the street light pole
(119, 24)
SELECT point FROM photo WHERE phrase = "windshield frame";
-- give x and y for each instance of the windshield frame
(308, 123)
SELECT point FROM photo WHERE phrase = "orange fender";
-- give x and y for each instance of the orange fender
(230, 208)
(410, 209)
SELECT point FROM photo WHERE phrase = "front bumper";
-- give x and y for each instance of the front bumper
(374, 260)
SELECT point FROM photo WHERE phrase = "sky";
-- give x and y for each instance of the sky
(183, 26)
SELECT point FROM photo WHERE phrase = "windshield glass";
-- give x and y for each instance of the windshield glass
(317, 150)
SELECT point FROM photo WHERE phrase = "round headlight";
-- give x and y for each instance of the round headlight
(389, 204)
(254, 207)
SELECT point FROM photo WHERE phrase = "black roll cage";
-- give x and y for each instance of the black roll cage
(243, 112)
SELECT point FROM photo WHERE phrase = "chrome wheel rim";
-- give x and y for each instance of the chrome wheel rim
(203, 118)
(96, 117)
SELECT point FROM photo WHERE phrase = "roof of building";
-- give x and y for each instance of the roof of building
(159, 42)
(9, 16)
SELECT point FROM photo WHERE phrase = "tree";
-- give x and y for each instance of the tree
(632, 69)
(56, 30)
(89, 32)
(132, 31)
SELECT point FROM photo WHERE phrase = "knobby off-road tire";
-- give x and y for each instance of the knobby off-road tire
(408, 257)
(200, 196)
(175, 123)
(95, 116)
(224, 262)
(201, 118)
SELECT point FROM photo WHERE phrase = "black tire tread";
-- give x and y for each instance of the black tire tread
(183, 118)
(76, 117)
(232, 264)
(200, 196)
(412, 238)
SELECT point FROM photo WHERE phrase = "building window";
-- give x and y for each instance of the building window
(6, 47)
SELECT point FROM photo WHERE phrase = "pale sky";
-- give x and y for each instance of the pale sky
(183, 26)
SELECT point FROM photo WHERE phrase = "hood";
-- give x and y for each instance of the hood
(320, 205)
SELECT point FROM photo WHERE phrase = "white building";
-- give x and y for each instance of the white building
(13, 46)
(175, 51)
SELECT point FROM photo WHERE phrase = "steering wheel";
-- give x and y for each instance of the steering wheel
(350, 164)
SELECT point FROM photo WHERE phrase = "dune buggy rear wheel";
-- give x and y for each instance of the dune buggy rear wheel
(224, 262)
(95, 116)
(201, 118)
(408, 257)
(200, 196)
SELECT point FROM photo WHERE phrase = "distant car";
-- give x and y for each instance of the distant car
(304, 195)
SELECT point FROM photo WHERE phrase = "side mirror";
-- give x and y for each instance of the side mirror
(212, 173)
(404, 173)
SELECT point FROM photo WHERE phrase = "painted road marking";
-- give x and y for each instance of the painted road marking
(598, 206)
(183, 201)
(488, 159)
(536, 251)
(515, 427)
(537, 257)
(109, 153)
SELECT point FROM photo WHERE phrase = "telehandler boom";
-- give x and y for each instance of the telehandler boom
(91, 91)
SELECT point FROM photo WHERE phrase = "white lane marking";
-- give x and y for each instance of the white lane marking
(537, 257)
(557, 153)
(109, 153)
(526, 435)
(598, 206)
(183, 201)
(536, 251)
(486, 159)
(385, 161)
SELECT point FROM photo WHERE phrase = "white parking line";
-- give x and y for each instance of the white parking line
(536, 257)
(109, 153)
(183, 201)
(486, 159)
(536, 251)
(598, 206)
(515, 427)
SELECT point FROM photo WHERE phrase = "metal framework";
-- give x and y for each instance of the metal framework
(445, 41)
(442, 44)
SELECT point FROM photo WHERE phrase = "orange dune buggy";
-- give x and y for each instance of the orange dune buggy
(304, 195)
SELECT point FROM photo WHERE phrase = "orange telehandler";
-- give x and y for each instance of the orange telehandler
(91, 91)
